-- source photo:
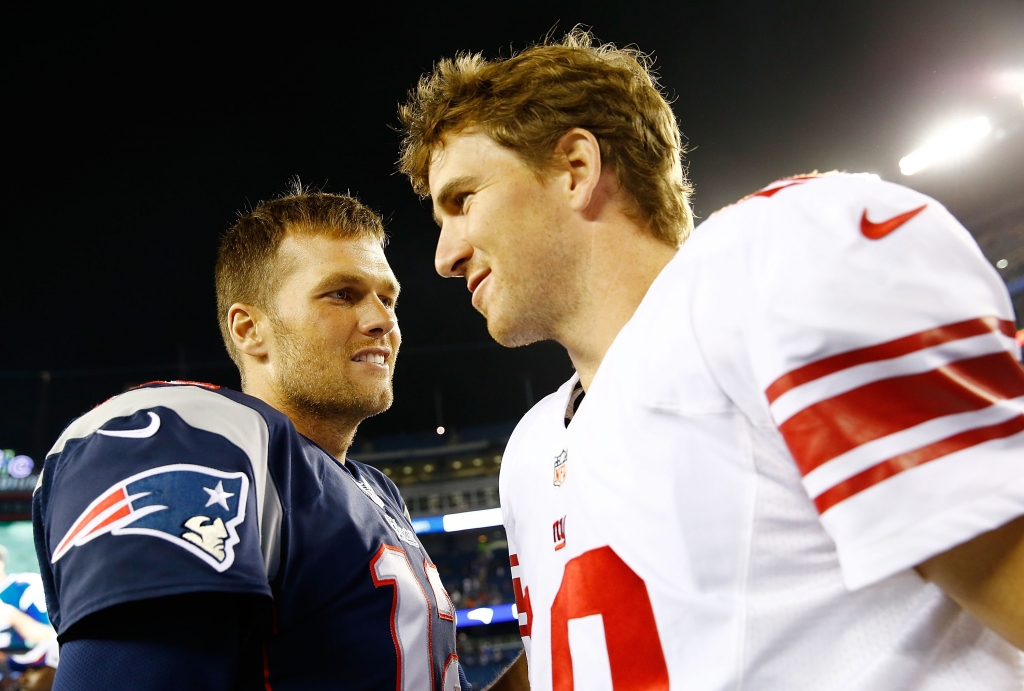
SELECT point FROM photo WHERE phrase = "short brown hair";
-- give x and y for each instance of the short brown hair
(247, 269)
(530, 100)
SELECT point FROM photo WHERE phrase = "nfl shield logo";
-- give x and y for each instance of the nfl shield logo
(561, 466)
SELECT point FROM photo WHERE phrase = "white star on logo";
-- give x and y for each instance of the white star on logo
(218, 495)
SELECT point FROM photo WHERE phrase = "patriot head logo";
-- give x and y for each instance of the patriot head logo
(193, 507)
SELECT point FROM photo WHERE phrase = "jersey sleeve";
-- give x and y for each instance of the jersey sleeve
(883, 342)
(156, 492)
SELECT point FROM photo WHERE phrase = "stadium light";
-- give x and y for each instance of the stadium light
(470, 520)
(946, 144)
(481, 616)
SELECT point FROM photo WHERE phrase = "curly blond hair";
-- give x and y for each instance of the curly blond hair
(529, 101)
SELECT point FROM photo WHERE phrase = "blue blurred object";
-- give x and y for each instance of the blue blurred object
(480, 616)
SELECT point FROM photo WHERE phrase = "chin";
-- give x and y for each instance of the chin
(379, 405)
(513, 335)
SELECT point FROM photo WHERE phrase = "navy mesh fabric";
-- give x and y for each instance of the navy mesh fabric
(101, 665)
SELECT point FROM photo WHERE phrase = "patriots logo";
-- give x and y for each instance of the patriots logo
(193, 507)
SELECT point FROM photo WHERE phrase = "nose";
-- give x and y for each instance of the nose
(452, 253)
(375, 319)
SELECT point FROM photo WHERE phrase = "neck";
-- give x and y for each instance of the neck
(333, 432)
(623, 263)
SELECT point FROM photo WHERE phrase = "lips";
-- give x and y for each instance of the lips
(374, 356)
(476, 279)
(474, 282)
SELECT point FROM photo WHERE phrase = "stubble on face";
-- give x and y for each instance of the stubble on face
(312, 376)
(538, 271)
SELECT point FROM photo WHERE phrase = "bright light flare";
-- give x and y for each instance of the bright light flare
(1008, 81)
(950, 143)
(471, 520)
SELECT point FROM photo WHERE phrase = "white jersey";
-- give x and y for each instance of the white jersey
(819, 392)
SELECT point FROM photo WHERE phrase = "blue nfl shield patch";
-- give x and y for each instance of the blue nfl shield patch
(561, 466)
(193, 507)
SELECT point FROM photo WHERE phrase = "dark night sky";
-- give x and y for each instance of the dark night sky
(132, 139)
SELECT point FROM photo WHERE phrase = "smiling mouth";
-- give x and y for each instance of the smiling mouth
(473, 283)
(375, 358)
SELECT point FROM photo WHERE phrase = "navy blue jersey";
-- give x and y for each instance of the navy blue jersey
(183, 488)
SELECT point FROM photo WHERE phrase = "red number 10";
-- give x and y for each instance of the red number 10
(599, 582)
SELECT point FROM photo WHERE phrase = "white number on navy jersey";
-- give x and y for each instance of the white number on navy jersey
(445, 608)
(602, 598)
(410, 617)
(451, 674)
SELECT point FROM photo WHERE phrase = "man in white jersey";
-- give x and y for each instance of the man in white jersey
(799, 459)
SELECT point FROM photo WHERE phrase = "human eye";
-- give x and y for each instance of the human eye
(459, 201)
(343, 294)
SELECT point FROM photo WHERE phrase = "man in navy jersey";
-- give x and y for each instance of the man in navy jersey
(192, 537)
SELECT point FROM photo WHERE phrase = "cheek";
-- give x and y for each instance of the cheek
(336, 329)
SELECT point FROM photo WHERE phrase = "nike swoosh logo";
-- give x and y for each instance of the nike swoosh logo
(877, 231)
(148, 431)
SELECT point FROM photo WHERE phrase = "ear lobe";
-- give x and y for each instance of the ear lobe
(583, 157)
(246, 325)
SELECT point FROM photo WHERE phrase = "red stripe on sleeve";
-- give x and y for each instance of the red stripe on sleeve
(886, 351)
(83, 521)
(827, 429)
(893, 466)
(117, 515)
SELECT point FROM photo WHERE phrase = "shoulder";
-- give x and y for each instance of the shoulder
(834, 204)
(842, 237)
(817, 190)
(139, 413)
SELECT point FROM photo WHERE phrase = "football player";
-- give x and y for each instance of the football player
(24, 625)
(167, 517)
(792, 454)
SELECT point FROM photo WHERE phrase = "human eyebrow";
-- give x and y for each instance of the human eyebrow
(450, 190)
(385, 284)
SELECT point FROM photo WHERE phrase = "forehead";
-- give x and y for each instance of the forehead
(309, 259)
(470, 152)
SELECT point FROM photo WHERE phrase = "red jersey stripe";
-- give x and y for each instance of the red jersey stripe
(108, 501)
(774, 190)
(893, 466)
(119, 514)
(887, 350)
(832, 427)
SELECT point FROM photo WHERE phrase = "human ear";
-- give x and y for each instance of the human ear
(247, 325)
(582, 156)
